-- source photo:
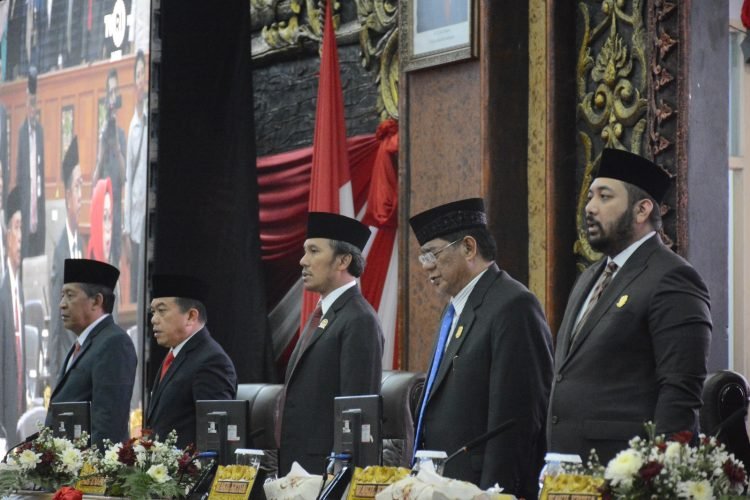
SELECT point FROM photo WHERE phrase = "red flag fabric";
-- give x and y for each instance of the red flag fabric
(330, 183)
(745, 14)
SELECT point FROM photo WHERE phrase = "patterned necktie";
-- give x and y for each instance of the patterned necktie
(445, 329)
(312, 325)
(165, 366)
(604, 280)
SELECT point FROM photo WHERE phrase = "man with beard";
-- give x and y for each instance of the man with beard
(633, 343)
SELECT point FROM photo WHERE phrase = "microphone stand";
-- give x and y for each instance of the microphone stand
(481, 439)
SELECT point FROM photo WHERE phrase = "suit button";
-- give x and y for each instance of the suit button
(554, 419)
(559, 377)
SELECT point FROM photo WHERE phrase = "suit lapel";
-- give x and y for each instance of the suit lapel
(84, 349)
(464, 324)
(325, 324)
(195, 341)
(636, 264)
(578, 296)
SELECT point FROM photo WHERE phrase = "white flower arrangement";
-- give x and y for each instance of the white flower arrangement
(140, 468)
(661, 468)
(45, 462)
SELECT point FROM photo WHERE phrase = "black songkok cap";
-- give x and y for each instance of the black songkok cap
(12, 204)
(31, 82)
(337, 227)
(177, 285)
(90, 271)
(70, 161)
(449, 218)
(636, 170)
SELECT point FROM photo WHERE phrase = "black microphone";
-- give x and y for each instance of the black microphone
(28, 439)
(481, 439)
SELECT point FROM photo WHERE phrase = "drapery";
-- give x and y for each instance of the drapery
(284, 184)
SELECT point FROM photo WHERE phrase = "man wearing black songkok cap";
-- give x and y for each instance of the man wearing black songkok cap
(100, 366)
(30, 173)
(339, 352)
(196, 367)
(492, 360)
(633, 344)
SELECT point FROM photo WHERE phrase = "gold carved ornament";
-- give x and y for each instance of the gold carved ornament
(610, 87)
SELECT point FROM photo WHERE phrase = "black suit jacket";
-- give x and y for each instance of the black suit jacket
(497, 367)
(641, 355)
(343, 358)
(32, 244)
(103, 373)
(9, 390)
(201, 370)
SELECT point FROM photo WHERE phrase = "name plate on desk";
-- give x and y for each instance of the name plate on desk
(91, 484)
(368, 482)
(571, 487)
(233, 482)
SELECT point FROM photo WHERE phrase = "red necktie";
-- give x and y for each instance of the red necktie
(167, 363)
(71, 360)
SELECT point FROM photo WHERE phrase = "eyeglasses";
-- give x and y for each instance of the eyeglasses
(429, 258)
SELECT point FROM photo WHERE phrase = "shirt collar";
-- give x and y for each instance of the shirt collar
(621, 258)
(84, 335)
(459, 301)
(328, 300)
(176, 349)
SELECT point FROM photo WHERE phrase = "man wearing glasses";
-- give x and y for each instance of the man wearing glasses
(492, 361)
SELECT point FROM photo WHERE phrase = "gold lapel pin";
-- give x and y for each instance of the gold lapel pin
(323, 323)
(623, 300)
(459, 332)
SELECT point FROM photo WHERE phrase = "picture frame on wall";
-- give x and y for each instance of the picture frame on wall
(67, 127)
(438, 32)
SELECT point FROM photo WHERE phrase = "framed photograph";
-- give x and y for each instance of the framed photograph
(438, 32)
(66, 127)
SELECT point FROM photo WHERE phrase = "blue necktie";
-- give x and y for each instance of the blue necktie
(445, 329)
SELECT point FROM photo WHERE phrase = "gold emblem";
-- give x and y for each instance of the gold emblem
(459, 332)
(622, 301)
(323, 323)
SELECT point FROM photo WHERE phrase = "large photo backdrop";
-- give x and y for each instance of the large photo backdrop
(74, 143)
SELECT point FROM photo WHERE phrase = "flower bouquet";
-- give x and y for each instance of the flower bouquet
(45, 463)
(663, 469)
(145, 468)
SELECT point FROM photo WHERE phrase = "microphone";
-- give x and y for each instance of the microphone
(481, 439)
(28, 439)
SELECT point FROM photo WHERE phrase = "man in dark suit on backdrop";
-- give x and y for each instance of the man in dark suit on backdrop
(30, 173)
(196, 366)
(492, 361)
(633, 344)
(339, 352)
(100, 367)
(68, 246)
(12, 386)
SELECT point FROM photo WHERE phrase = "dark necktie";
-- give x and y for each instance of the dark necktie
(165, 366)
(445, 329)
(602, 283)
